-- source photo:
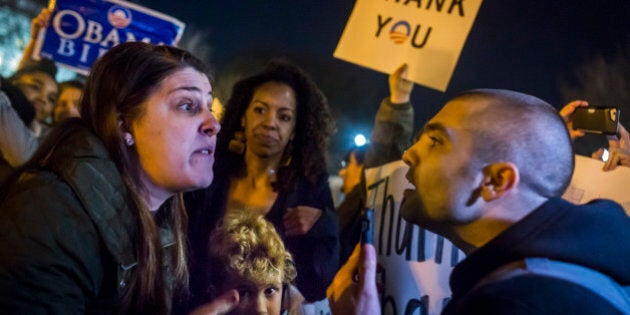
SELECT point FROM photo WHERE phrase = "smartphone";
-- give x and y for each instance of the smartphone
(367, 226)
(596, 119)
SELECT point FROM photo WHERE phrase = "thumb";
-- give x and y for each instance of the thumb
(367, 267)
(598, 154)
(220, 305)
(227, 301)
(613, 143)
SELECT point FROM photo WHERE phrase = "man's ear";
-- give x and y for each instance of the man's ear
(499, 179)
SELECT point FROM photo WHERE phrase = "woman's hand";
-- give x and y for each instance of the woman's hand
(354, 289)
(300, 220)
(219, 306)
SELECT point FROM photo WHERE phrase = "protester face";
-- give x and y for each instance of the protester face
(67, 104)
(40, 89)
(350, 174)
(440, 169)
(257, 298)
(270, 119)
(176, 135)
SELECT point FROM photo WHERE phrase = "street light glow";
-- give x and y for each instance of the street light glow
(360, 140)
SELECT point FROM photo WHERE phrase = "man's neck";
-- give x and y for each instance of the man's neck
(498, 217)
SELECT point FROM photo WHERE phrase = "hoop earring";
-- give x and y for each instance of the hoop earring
(237, 144)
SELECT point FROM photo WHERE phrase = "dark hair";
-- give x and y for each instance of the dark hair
(313, 127)
(526, 131)
(119, 82)
(75, 84)
(118, 85)
(46, 66)
(71, 84)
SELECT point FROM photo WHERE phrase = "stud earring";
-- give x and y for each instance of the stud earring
(129, 140)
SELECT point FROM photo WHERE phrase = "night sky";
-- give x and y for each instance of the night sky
(528, 46)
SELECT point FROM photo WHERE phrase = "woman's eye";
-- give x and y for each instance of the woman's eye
(188, 107)
(286, 118)
(258, 110)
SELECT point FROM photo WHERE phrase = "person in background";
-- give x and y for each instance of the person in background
(618, 145)
(271, 161)
(32, 88)
(69, 100)
(95, 221)
(24, 98)
(488, 171)
(351, 169)
(248, 260)
(41, 125)
(391, 136)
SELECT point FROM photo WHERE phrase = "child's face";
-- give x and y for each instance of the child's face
(256, 298)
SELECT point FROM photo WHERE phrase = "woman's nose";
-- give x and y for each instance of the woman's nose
(211, 126)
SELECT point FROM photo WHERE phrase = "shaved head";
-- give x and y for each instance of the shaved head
(508, 126)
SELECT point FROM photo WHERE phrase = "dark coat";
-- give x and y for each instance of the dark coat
(595, 235)
(67, 235)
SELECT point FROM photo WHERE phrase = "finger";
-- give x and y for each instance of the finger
(399, 70)
(289, 214)
(598, 154)
(570, 107)
(367, 268)
(289, 225)
(624, 137)
(344, 275)
(613, 143)
(613, 161)
(576, 133)
(403, 72)
(219, 306)
(296, 231)
(227, 301)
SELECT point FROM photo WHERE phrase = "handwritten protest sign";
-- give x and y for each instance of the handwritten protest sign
(417, 263)
(590, 182)
(80, 31)
(428, 35)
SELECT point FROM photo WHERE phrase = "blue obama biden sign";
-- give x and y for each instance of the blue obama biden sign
(80, 31)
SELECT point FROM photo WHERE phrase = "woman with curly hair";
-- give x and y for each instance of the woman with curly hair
(249, 262)
(271, 161)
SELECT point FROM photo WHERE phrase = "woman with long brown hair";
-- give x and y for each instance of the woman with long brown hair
(95, 222)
